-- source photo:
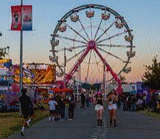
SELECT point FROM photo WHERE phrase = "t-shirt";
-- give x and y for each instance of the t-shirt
(99, 99)
(71, 105)
(82, 98)
(26, 103)
(52, 105)
(61, 104)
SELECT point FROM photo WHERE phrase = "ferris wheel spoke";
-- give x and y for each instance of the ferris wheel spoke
(77, 32)
(91, 28)
(75, 55)
(96, 61)
(89, 63)
(84, 29)
(106, 30)
(97, 29)
(74, 40)
(107, 45)
(116, 35)
(76, 47)
(72, 48)
(111, 54)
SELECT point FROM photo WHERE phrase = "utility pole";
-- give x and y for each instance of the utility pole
(64, 67)
(104, 80)
(21, 50)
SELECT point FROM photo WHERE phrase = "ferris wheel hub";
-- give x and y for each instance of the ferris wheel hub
(91, 44)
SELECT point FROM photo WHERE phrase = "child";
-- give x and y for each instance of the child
(52, 108)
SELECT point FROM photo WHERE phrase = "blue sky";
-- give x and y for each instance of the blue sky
(141, 15)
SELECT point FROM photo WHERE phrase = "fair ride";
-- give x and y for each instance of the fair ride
(92, 37)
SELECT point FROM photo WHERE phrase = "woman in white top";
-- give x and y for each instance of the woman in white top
(99, 107)
(112, 106)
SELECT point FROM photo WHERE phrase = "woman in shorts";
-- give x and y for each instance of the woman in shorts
(112, 106)
(99, 108)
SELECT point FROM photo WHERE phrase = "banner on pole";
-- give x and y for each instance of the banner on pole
(16, 18)
(27, 17)
(26, 12)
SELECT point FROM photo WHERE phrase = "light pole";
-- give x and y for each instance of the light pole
(64, 67)
(104, 81)
(21, 51)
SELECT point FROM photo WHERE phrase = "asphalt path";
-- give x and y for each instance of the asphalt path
(131, 125)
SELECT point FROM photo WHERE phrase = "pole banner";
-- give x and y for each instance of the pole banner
(16, 18)
(26, 12)
(27, 17)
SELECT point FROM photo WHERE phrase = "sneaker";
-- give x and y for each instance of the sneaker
(28, 125)
(49, 119)
(22, 133)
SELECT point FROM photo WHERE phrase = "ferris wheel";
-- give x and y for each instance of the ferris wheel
(92, 37)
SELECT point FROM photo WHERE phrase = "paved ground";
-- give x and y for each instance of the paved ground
(131, 125)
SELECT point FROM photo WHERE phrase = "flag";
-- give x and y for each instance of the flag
(27, 17)
(16, 18)
(26, 12)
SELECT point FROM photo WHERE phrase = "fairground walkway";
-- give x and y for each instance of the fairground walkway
(131, 125)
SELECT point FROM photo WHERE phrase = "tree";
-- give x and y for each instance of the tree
(151, 77)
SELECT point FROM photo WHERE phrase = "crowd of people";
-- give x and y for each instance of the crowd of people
(136, 102)
(57, 105)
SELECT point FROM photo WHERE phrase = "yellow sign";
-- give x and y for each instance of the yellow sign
(2, 61)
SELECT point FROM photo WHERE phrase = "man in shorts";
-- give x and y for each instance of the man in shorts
(26, 109)
(52, 109)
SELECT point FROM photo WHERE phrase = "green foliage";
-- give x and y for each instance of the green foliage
(151, 77)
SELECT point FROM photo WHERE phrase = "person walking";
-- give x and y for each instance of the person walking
(133, 103)
(112, 106)
(99, 108)
(82, 101)
(26, 109)
(129, 103)
(119, 102)
(52, 109)
(71, 109)
(62, 108)
(87, 100)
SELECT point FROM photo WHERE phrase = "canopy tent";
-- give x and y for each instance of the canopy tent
(58, 90)
(66, 90)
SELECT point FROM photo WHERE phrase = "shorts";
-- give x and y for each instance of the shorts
(52, 111)
(98, 107)
(27, 114)
(112, 106)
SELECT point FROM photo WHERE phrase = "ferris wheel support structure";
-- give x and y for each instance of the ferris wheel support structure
(92, 46)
